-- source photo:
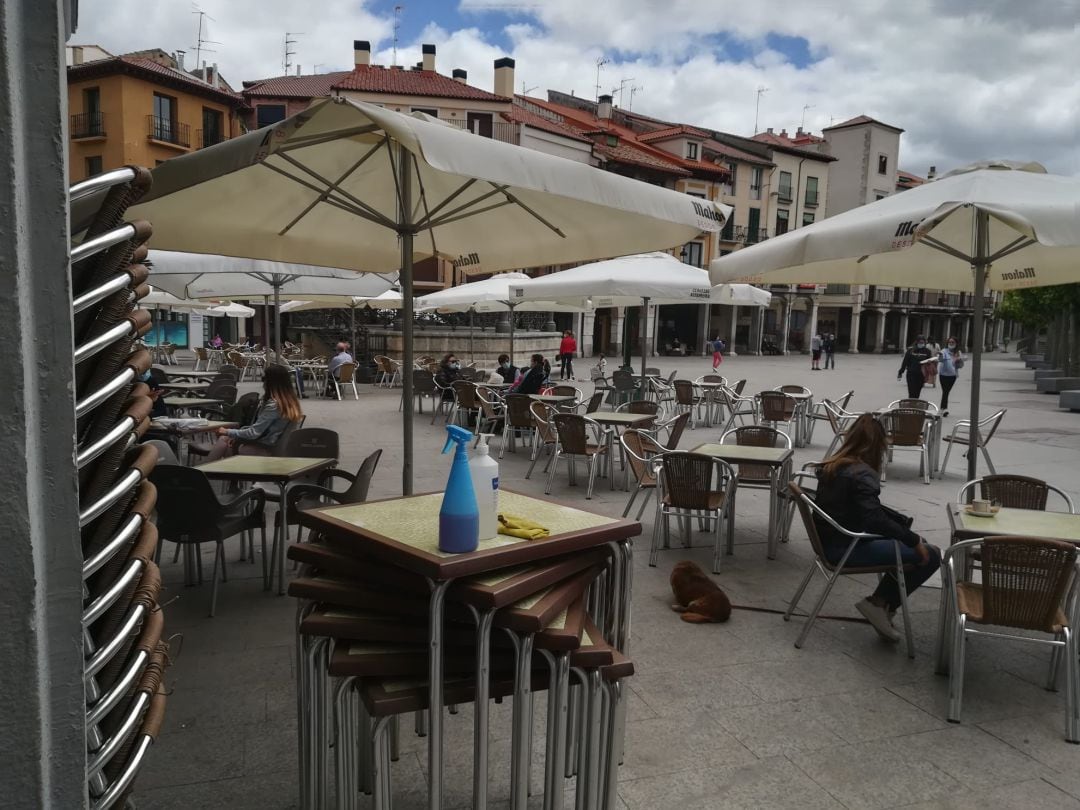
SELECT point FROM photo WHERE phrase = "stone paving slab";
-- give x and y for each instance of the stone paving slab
(720, 716)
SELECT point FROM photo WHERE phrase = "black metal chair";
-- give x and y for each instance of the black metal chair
(188, 512)
(312, 496)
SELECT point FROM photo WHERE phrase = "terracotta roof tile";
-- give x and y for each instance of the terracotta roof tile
(379, 79)
(313, 86)
(523, 115)
(635, 156)
(672, 132)
(733, 153)
(863, 119)
(149, 69)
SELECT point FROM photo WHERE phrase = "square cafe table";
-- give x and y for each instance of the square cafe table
(280, 470)
(1015, 522)
(193, 375)
(189, 387)
(777, 459)
(620, 420)
(405, 532)
(187, 403)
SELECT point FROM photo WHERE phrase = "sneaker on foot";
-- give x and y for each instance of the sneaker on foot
(878, 618)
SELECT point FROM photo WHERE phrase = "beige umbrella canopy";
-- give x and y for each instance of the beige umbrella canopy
(993, 225)
(352, 185)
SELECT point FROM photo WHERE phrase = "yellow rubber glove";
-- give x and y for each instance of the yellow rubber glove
(521, 527)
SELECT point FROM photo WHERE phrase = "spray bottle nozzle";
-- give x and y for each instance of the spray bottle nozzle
(456, 433)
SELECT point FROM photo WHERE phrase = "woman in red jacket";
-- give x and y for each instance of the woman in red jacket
(567, 348)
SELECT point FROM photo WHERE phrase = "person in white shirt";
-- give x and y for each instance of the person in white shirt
(338, 360)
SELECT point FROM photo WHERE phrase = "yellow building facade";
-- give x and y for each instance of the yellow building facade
(132, 110)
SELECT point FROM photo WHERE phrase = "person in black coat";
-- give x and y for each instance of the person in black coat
(507, 370)
(533, 380)
(912, 366)
(849, 488)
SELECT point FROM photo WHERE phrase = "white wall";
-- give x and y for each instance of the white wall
(551, 144)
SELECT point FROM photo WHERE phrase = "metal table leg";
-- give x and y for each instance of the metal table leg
(480, 718)
(435, 692)
(522, 721)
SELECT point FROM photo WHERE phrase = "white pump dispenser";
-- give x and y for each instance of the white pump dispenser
(485, 478)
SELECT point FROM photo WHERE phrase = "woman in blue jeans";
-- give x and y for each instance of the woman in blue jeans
(849, 486)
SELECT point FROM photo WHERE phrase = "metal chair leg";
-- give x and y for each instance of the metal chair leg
(830, 581)
(956, 671)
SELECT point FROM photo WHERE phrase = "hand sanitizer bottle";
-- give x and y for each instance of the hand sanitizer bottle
(485, 479)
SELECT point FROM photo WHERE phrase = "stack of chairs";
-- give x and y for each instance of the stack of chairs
(122, 623)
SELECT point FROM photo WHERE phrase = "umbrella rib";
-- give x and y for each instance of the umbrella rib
(937, 244)
(344, 206)
(301, 141)
(529, 211)
(451, 215)
(330, 189)
(423, 204)
(379, 216)
(448, 219)
(1012, 247)
(453, 195)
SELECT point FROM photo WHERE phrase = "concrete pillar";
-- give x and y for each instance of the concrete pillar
(731, 332)
(585, 336)
(757, 324)
(902, 338)
(785, 323)
(811, 324)
(999, 332)
(965, 334)
(856, 316)
(42, 732)
(879, 340)
(706, 330)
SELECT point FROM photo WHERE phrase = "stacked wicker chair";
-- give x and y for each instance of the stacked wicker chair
(123, 626)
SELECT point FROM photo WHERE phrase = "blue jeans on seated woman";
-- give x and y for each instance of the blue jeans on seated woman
(883, 552)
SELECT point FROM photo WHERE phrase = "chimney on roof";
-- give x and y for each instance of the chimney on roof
(504, 77)
(603, 108)
(799, 132)
(76, 54)
(783, 132)
(429, 57)
(361, 52)
(930, 175)
(461, 75)
(216, 81)
(769, 130)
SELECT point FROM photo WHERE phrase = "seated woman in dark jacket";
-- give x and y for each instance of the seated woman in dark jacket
(507, 370)
(849, 485)
(279, 407)
(533, 380)
(449, 371)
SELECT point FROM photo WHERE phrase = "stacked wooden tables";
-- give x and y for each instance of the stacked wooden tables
(529, 588)
(777, 459)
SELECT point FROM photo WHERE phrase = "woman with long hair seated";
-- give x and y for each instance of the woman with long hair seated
(849, 486)
(278, 408)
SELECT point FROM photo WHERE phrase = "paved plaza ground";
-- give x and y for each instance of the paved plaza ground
(720, 716)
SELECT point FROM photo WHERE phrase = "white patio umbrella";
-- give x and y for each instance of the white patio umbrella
(198, 275)
(352, 185)
(230, 310)
(637, 280)
(493, 295)
(391, 299)
(993, 225)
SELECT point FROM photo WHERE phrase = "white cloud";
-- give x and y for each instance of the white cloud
(966, 79)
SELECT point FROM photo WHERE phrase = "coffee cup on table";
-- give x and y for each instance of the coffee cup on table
(981, 506)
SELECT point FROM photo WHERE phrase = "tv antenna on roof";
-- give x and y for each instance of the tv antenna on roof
(200, 41)
(804, 109)
(762, 90)
(633, 91)
(621, 89)
(286, 61)
(526, 90)
(397, 26)
(600, 62)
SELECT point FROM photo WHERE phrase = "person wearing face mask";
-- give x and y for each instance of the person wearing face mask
(534, 377)
(949, 361)
(911, 365)
(449, 371)
(506, 369)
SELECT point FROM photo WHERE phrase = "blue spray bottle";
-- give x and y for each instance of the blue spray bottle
(459, 517)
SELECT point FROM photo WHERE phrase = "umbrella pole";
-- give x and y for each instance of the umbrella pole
(472, 347)
(277, 317)
(405, 231)
(981, 266)
(511, 332)
(644, 337)
(266, 319)
(352, 325)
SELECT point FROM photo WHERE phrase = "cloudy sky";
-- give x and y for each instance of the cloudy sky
(966, 79)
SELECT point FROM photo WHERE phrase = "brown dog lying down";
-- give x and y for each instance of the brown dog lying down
(697, 597)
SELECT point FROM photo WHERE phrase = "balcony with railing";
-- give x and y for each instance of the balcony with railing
(811, 199)
(837, 289)
(208, 137)
(755, 235)
(505, 131)
(87, 125)
(169, 131)
(783, 193)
